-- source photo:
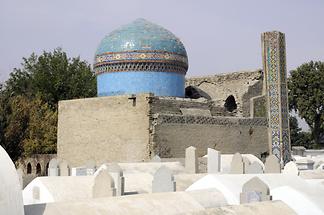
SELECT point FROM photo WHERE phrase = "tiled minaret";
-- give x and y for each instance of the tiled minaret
(275, 73)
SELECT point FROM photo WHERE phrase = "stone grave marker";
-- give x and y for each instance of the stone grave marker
(191, 160)
(53, 167)
(291, 168)
(11, 197)
(91, 167)
(36, 193)
(272, 165)
(254, 168)
(103, 184)
(237, 164)
(64, 168)
(156, 159)
(255, 190)
(213, 161)
(163, 181)
(78, 171)
(117, 174)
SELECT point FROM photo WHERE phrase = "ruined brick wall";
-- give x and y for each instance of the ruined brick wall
(172, 134)
(38, 165)
(242, 85)
(114, 128)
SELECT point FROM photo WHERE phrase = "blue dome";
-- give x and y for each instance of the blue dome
(141, 57)
(141, 35)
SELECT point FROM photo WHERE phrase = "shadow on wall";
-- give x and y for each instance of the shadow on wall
(196, 93)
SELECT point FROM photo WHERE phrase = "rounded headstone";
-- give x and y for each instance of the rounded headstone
(11, 201)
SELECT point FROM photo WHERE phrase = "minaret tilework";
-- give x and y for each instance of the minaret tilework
(274, 67)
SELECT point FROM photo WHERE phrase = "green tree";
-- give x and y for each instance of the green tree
(306, 96)
(53, 77)
(297, 136)
(29, 98)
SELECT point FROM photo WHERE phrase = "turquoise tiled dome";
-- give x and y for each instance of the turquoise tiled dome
(141, 57)
(141, 35)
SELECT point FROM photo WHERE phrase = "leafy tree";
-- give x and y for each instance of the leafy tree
(52, 77)
(29, 98)
(306, 96)
(297, 136)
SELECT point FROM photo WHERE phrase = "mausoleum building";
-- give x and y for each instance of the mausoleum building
(146, 107)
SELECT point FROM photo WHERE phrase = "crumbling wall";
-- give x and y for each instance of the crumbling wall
(242, 85)
(172, 134)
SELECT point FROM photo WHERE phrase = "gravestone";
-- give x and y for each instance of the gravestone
(305, 164)
(213, 161)
(78, 171)
(246, 162)
(163, 181)
(11, 200)
(53, 167)
(36, 193)
(117, 174)
(254, 168)
(272, 165)
(91, 167)
(291, 168)
(237, 164)
(64, 168)
(191, 160)
(156, 159)
(255, 190)
(103, 184)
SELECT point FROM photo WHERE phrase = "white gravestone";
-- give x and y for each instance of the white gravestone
(237, 164)
(11, 201)
(53, 167)
(272, 165)
(191, 160)
(103, 184)
(254, 168)
(91, 167)
(255, 190)
(163, 181)
(213, 161)
(156, 159)
(117, 174)
(291, 168)
(64, 168)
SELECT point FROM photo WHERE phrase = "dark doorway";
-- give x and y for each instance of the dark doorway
(230, 104)
(38, 169)
(29, 168)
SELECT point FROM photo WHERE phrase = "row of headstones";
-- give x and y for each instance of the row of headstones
(61, 168)
(239, 164)
(163, 179)
(109, 181)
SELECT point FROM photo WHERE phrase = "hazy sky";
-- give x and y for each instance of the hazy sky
(220, 36)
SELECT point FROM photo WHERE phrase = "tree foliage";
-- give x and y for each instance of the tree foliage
(29, 98)
(306, 96)
(297, 136)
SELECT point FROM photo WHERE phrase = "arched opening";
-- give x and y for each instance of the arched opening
(46, 170)
(29, 168)
(193, 92)
(230, 104)
(38, 169)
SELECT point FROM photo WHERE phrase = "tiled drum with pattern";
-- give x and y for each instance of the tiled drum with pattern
(141, 57)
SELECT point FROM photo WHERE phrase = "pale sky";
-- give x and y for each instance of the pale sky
(219, 36)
